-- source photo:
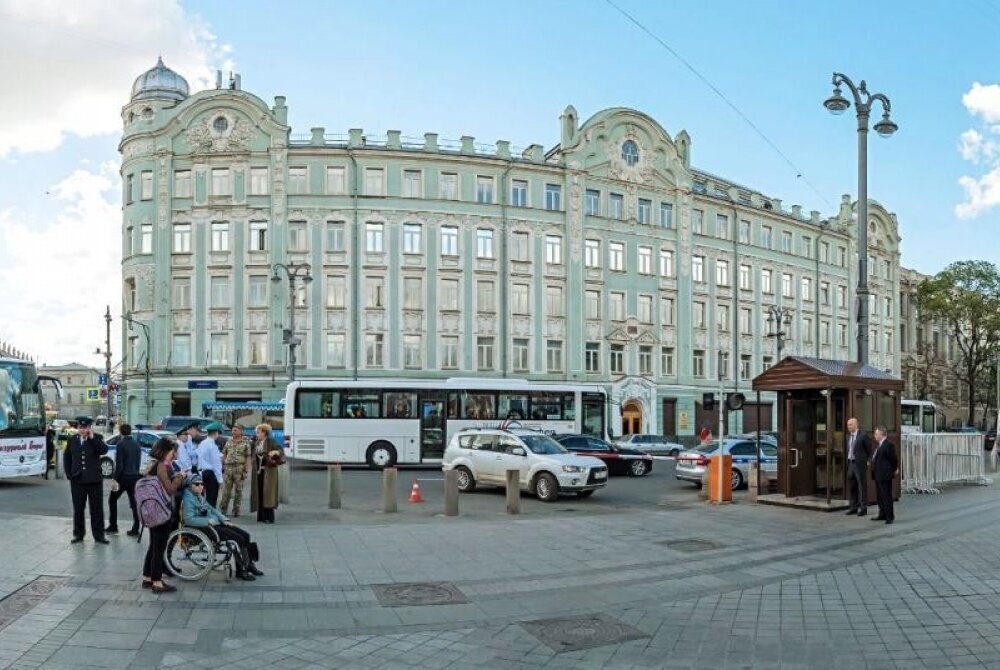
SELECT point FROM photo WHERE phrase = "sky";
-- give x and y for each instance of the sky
(746, 80)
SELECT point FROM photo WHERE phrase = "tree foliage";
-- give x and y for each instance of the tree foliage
(965, 298)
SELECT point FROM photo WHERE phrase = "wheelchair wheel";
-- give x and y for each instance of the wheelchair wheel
(190, 555)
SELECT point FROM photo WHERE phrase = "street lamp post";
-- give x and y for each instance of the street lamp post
(145, 331)
(778, 318)
(838, 104)
(294, 272)
(107, 360)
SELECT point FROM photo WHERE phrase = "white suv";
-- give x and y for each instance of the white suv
(483, 456)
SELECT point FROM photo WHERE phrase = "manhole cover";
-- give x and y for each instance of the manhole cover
(420, 593)
(582, 632)
(691, 546)
(20, 602)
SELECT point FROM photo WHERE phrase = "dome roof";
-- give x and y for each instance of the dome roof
(160, 82)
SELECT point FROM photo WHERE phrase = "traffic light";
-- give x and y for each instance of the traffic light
(708, 401)
(734, 401)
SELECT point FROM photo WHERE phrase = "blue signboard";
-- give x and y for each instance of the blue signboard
(102, 380)
(202, 384)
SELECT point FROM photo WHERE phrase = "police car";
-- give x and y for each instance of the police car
(691, 465)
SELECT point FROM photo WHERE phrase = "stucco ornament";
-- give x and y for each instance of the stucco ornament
(575, 219)
(641, 172)
(220, 131)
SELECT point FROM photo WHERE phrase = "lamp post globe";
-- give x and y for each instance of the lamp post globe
(837, 103)
(886, 127)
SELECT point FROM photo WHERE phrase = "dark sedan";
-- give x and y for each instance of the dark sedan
(620, 461)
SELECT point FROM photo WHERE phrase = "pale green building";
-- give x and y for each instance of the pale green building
(606, 258)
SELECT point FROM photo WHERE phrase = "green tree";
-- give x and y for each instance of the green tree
(965, 298)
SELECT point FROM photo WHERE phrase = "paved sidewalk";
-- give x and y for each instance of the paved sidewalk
(694, 586)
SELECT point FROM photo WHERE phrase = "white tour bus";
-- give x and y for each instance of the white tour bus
(918, 416)
(383, 422)
(22, 419)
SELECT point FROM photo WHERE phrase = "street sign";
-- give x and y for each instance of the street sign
(202, 384)
(102, 380)
(93, 394)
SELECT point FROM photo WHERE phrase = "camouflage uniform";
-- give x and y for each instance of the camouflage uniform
(234, 464)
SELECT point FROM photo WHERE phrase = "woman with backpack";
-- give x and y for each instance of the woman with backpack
(163, 454)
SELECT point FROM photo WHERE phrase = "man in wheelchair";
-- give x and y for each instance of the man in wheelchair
(197, 512)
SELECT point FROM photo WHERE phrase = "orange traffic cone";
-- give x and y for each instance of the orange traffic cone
(415, 496)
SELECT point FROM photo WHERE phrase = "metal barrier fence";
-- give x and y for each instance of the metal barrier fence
(933, 459)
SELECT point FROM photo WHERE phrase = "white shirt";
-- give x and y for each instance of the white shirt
(187, 455)
(209, 458)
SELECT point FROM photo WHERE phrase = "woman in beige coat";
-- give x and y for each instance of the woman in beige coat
(268, 455)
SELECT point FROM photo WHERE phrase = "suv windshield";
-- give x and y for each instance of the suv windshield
(542, 444)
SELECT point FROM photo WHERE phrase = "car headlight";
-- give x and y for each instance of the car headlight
(572, 468)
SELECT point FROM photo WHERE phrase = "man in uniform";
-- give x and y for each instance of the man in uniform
(82, 464)
(210, 462)
(187, 449)
(236, 465)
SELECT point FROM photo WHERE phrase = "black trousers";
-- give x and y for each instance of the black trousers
(211, 486)
(883, 493)
(264, 514)
(240, 537)
(857, 487)
(152, 567)
(126, 485)
(84, 495)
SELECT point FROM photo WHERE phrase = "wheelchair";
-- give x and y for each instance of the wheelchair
(192, 553)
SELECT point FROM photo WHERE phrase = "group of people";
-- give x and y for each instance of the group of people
(881, 453)
(190, 474)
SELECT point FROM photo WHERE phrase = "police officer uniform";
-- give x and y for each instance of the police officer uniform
(82, 464)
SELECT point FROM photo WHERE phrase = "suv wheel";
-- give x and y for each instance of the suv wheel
(737, 479)
(466, 482)
(381, 455)
(546, 487)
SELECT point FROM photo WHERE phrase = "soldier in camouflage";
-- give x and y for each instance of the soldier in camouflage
(236, 466)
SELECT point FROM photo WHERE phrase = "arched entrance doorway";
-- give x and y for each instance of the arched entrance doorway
(631, 417)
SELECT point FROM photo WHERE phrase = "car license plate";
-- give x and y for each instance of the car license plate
(600, 474)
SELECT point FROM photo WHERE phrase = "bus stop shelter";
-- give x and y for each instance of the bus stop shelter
(815, 399)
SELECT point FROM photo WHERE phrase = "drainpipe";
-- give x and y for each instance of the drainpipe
(355, 255)
(504, 270)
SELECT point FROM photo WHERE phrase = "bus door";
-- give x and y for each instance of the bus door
(433, 433)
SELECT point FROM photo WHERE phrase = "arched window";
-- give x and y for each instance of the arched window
(630, 152)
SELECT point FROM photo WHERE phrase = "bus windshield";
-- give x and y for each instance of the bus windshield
(20, 400)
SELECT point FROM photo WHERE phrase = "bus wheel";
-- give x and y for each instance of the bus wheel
(381, 455)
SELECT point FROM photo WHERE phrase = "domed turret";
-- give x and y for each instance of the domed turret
(160, 82)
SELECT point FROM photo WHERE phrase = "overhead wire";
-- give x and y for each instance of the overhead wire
(715, 89)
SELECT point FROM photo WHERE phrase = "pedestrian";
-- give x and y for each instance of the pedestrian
(163, 455)
(268, 455)
(705, 435)
(187, 450)
(50, 449)
(128, 460)
(200, 513)
(237, 463)
(210, 462)
(885, 465)
(82, 464)
(858, 452)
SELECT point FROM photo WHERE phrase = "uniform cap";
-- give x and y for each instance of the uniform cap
(214, 427)
(84, 422)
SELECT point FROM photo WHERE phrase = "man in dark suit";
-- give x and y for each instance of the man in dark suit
(82, 464)
(858, 452)
(884, 466)
(128, 457)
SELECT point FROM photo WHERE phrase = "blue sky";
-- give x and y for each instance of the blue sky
(506, 71)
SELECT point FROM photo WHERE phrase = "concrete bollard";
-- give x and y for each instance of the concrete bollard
(752, 484)
(285, 484)
(60, 474)
(451, 492)
(335, 483)
(389, 491)
(703, 491)
(513, 492)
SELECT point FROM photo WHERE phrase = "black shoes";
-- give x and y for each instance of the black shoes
(889, 521)
(252, 569)
(76, 540)
(245, 576)
(878, 518)
(863, 512)
(111, 529)
(132, 533)
(102, 540)
(851, 512)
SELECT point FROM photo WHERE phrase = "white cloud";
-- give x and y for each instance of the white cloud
(982, 193)
(68, 67)
(58, 277)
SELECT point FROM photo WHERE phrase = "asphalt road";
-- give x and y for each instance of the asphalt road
(362, 498)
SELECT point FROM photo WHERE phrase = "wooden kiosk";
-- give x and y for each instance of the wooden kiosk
(816, 397)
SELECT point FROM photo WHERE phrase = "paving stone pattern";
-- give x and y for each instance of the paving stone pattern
(739, 586)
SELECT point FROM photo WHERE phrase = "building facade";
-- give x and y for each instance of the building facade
(606, 259)
(77, 380)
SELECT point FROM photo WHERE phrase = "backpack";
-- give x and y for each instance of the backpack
(152, 503)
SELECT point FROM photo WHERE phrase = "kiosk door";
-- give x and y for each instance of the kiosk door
(799, 462)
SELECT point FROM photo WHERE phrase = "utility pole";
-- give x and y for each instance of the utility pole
(107, 360)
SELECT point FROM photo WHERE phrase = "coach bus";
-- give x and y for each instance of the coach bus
(22, 419)
(385, 422)
(918, 416)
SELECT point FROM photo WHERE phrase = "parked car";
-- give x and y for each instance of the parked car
(146, 440)
(620, 461)
(59, 425)
(483, 456)
(652, 444)
(989, 440)
(765, 438)
(691, 465)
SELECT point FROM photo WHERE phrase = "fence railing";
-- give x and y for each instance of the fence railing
(934, 459)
